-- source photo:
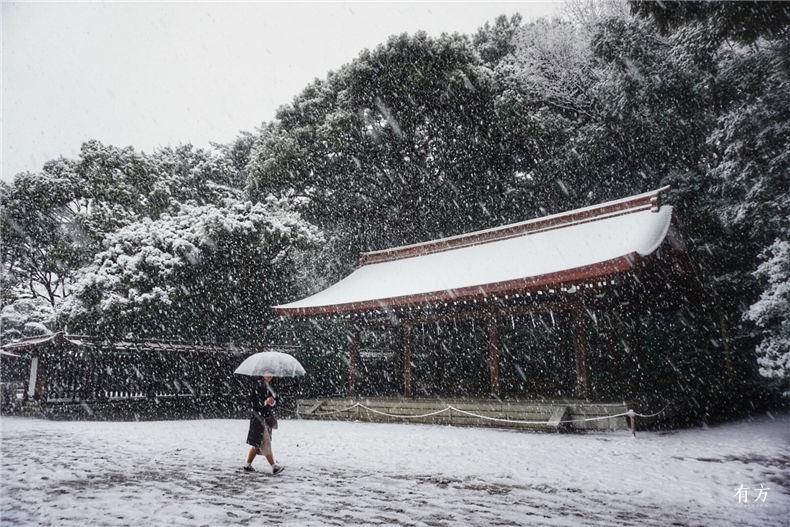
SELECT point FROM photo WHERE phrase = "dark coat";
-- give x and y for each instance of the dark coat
(259, 410)
(257, 400)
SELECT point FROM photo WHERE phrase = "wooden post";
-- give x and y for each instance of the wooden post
(353, 356)
(613, 365)
(580, 351)
(637, 344)
(33, 381)
(407, 350)
(493, 350)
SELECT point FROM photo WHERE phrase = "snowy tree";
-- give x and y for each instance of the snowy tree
(600, 109)
(120, 186)
(743, 22)
(752, 140)
(53, 222)
(739, 188)
(753, 177)
(552, 65)
(495, 41)
(656, 97)
(545, 99)
(41, 241)
(205, 272)
(187, 174)
(772, 312)
(393, 148)
(117, 186)
(237, 153)
(26, 317)
(588, 13)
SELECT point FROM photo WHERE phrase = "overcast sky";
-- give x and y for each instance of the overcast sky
(156, 74)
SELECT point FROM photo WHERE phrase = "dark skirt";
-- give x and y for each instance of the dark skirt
(255, 433)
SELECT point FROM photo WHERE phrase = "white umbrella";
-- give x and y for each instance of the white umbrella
(274, 363)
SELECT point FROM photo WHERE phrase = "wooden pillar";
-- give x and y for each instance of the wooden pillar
(494, 343)
(580, 351)
(613, 365)
(408, 344)
(33, 379)
(640, 362)
(353, 356)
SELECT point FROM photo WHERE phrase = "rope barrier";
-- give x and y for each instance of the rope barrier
(450, 408)
(631, 413)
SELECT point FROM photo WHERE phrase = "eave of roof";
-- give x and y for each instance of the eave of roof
(567, 278)
(583, 245)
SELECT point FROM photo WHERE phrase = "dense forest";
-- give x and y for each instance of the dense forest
(427, 137)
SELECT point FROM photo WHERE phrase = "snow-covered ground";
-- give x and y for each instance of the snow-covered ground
(341, 473)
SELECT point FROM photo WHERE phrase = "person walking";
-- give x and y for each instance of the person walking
(262, 422)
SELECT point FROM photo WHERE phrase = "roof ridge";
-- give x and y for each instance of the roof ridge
(635, 203)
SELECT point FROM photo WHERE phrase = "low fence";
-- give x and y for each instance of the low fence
(567, 415)
(74, 377)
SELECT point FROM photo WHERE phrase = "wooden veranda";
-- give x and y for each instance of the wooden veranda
(538, 415)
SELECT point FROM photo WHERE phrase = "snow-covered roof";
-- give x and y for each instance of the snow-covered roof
(574, 247)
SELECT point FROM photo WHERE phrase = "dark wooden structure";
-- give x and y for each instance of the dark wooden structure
(71, 376)
(576, 269)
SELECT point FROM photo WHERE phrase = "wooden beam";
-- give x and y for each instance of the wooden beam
(482, 312)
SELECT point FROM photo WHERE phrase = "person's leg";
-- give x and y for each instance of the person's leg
(254, 436)
(254, 451)
(266, 450)
(251, 455)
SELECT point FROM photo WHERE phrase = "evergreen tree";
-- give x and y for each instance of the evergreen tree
(743, 21)
(743, 184)
(394, 148)
(494, 42)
